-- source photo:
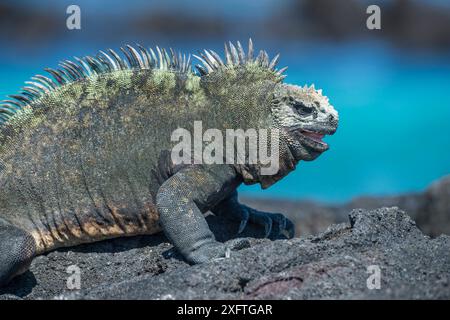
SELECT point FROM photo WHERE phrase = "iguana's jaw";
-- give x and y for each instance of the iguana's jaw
(312, 137)
(305, 143)
(314, 140)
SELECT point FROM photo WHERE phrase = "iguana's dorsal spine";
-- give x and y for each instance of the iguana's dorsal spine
(136, 59)
(88, 66)
(236, 56)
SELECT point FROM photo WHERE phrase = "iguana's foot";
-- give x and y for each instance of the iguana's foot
(216, 250)
(275, 225)
(17, 249)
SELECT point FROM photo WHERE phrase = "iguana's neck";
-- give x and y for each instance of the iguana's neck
(246, 105)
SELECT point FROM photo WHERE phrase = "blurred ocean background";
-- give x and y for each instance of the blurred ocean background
(390, 86)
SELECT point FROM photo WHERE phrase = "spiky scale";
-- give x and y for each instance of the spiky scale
(31, 90)
(187, 63)
(137, 57)
(73, 69)
(145, 56)
(214, 63)
(154, 57)
(250, 50)
(112, 64)
(19, 97)
(57, 75)
(162, 63)
(167, 59)
(129, 58)
(216, 57)
(93, 65)
(282, 70)
(228, 57)
(14, 103)
(234, 54)
(201, 70)
(205, 64)
(68, 71)
(116, 57)
(47, 81)
(76, 68)
(6, 110)
(174, 58)
(241, 53)
(274, 61)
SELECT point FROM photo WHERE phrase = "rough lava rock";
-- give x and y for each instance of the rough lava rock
(430, 209)
(434, 215)
(333, 264)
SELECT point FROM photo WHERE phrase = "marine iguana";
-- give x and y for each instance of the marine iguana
(85, 153)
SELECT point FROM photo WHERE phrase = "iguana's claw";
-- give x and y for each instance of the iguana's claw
(244, 221)
(242, 226)
(275, 224)
(282, 225)
(289, 230)
(263, 219)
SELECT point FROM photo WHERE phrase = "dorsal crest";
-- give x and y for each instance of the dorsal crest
(138, 58)
(237, 59)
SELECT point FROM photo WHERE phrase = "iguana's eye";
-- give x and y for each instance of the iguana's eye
(302, 109)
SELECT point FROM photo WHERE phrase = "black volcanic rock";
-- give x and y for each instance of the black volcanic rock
(333, 264)
(430, 209)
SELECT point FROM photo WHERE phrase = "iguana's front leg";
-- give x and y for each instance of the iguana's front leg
(181, 202)
(275, 224)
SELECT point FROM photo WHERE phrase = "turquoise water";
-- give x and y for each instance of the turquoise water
(394, 117)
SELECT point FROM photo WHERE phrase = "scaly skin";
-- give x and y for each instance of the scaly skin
(90, 159)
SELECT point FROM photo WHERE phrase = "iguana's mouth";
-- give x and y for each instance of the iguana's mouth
(314, 140)
(314, 136)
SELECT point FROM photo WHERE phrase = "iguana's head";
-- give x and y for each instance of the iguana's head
(304, 117)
